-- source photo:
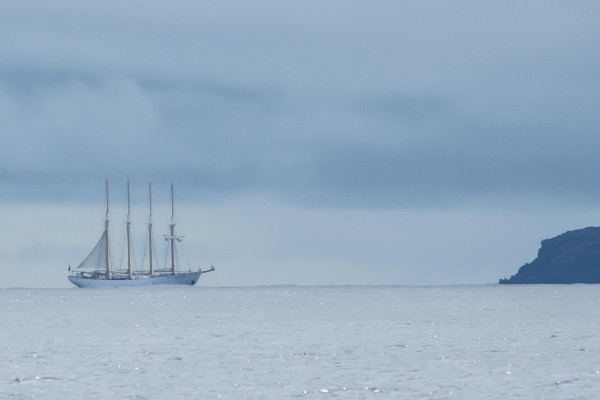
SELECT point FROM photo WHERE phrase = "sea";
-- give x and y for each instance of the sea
(280, 342)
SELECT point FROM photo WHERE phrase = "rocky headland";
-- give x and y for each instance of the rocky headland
(572, 257)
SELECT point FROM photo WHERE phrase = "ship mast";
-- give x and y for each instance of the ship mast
(171, 237)
(150, 229)
(106, 255)
(129, 272)
(172, 226)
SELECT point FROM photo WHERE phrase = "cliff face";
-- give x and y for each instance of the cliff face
(573, 257)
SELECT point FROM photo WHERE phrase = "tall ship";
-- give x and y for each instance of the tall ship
(96, 269)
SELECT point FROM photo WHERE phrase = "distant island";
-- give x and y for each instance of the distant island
(572, 257)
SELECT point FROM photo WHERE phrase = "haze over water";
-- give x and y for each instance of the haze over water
(463, 342)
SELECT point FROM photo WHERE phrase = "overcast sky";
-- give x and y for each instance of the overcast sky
(310, 142)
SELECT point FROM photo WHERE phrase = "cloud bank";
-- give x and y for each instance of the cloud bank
(391, 104)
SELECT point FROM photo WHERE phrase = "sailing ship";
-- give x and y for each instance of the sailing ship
(96, 269)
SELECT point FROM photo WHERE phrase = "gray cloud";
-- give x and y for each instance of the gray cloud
(382, 105)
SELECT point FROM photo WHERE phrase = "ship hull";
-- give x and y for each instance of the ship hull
(180, 278)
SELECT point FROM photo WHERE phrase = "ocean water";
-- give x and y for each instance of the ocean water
(449, 342)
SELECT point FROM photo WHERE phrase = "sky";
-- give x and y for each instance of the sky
(310, 142)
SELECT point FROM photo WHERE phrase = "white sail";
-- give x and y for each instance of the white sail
(96, 260)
